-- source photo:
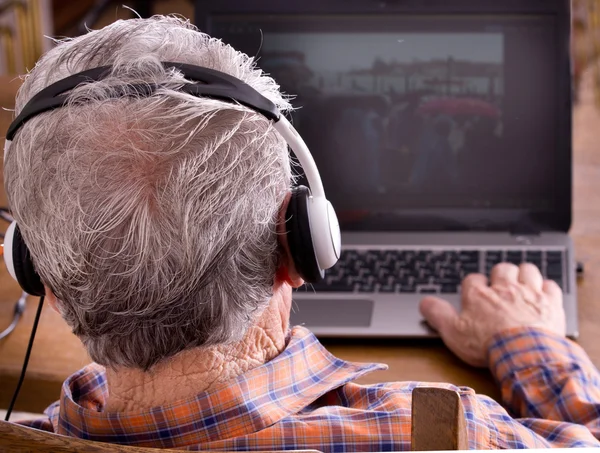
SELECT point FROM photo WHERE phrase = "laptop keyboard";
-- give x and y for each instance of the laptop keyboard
(423, 271)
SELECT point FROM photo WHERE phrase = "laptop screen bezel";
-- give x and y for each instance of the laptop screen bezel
(517, 221)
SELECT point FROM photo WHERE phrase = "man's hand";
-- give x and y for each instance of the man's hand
(516, 297)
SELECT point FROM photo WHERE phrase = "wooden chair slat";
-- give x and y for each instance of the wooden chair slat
(438, 420)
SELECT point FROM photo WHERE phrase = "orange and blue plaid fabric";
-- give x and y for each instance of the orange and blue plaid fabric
(306, 399)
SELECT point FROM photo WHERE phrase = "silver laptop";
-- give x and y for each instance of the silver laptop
(442, 131)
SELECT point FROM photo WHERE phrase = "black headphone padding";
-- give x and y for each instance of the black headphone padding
(28, 278)
(209, 83)
(300, 238)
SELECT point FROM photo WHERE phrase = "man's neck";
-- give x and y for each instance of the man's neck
(202, 369)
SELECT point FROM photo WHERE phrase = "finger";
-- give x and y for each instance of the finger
(533, 298)
(472, 280)
(510, 292)
(453, 328)
(473, 288)
(504, 273)
(528, 294)
(553, 291)
(531, 276)
(439, 314)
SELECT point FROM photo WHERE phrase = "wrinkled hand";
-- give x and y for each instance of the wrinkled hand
(515, 297)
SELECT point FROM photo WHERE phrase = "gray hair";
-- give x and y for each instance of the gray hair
(152, 219)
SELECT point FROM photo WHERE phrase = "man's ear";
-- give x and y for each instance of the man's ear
(286, 272)
(51, 300)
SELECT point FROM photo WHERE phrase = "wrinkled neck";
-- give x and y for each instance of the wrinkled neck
(202, 369)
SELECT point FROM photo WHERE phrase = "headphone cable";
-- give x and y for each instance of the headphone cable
(19, 309)
(26, 361)
(5, 214)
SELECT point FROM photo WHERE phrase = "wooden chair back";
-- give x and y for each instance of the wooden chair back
(438, 423)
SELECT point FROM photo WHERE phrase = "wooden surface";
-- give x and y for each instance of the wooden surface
(438, 421)
(57, 353)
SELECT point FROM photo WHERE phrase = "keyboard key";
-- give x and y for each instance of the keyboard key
(554, 270)
(469, 265)
(533, 256)
(381, 281)
(406, 255)
(439, 257)
(387, 289)
(403, 280)
(354, 280)
(428, 291)
(449, 289)
(390, 267)
(469, 257)
(424, 255)
(470, 268)
(514, 257)
(493, 255)
(426, 272)
(446, 281)
(366, 288)
(554, 257)
(408, 289)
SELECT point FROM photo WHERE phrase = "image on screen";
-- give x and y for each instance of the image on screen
(409, 112)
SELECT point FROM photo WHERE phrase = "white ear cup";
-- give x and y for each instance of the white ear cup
(8, 249)
(334, 231)
(325, 232)
(324, 225)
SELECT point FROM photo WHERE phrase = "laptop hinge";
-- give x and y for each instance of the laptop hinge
(525, 228)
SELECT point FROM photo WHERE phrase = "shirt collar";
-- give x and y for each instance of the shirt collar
(301, 374)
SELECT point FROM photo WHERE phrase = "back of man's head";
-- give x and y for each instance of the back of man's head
(152, 219)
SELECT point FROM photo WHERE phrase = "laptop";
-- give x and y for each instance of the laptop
(442, 131)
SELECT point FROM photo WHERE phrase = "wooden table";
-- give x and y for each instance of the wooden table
(57, 353)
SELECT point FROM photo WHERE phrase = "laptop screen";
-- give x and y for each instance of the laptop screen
(417, 115)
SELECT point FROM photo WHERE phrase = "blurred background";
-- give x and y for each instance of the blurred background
(25, 23)
(25, 26)
(586, 42)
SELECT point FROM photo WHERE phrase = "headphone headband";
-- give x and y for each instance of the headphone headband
(209, 83)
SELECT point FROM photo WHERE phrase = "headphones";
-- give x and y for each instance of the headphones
(313, 230)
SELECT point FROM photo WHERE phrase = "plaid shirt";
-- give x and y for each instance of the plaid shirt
(306, 399)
